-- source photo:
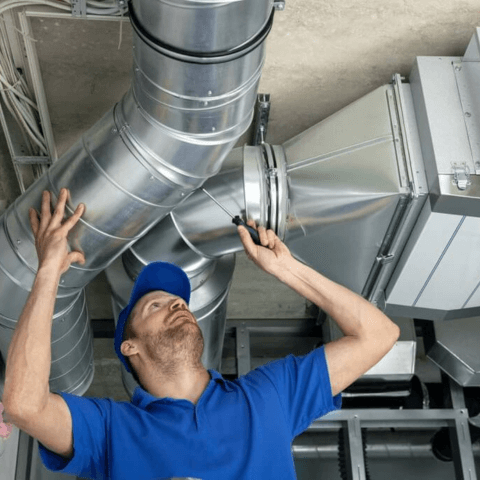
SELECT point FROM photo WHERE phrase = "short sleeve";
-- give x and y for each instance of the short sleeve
(303, 385)
(90, 418)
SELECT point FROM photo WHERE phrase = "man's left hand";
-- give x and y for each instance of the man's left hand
(51, 234)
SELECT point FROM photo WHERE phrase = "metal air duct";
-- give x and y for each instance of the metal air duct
(172, 130)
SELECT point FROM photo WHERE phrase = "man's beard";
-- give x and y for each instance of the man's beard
(177, 347)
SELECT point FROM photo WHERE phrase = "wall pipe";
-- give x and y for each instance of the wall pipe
(171, 131)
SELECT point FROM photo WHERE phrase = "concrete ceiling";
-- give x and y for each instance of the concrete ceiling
(321, 56)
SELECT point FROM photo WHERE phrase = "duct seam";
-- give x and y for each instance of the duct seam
(427, 281)
(75, 345)
(337, 153)
(232, 95)
(205, 139)
(185, 239)
(119, 187)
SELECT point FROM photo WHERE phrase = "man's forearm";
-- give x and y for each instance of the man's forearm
(29, 355)
(353, 314)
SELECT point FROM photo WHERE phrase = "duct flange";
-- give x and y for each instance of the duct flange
(265, 186)
(158, 21)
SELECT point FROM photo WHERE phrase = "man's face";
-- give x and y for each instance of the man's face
(168, 333)
(158, 311)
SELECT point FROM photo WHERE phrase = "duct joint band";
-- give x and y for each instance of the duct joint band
(199, 57)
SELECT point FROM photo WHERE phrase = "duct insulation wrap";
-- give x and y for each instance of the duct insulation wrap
(170, 132)
(208, 301)
(331, 193)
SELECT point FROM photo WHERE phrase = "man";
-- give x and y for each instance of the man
(183, 421)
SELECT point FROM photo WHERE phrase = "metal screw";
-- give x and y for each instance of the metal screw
(182, 194)
(213, 129)
(114, 130)
(457, 69)
(209, 92)
(151, 177)
(62, 281)
(19, 241)
(243, 346)
(137, 69)
(205, 103)
(468, 114)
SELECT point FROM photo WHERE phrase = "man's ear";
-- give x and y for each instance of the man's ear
(127, 347)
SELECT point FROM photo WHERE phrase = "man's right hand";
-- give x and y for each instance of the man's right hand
(51, 232)
(272, 256)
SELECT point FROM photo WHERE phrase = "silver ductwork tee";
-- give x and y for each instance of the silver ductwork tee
(193, 93)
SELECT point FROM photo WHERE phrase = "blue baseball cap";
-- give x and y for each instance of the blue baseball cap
(155, 276)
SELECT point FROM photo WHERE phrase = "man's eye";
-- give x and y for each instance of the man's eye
(155, 304)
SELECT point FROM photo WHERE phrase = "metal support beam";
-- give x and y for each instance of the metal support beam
(354, 450)
(243, 349)
(38, 88)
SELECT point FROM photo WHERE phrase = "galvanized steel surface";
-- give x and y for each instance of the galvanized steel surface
(344, 186)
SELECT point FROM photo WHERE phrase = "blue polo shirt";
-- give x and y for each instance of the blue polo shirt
(241, 429)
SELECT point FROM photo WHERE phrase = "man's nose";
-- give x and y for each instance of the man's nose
(178, 304)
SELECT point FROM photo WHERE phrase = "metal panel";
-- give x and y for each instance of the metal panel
(457, 271)
(467, 75)
(439, 115)
(409, 206)
(455, 350)
(472, 54)
(429, 238)
(399, 363)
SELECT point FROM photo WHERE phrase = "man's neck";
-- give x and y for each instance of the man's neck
(187, 384)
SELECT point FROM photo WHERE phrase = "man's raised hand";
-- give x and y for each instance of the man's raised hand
(51, 232)
(272, 256)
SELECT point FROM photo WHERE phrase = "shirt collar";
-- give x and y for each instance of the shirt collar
(142, 399)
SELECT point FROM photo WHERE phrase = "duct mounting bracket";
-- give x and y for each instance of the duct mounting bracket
(461, 176)
(279, 4)
(262, 112)
(79, 8)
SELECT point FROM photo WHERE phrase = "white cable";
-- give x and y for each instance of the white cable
(101, 4)
(15, 3)
(103, 11)
(16, 92)
(10, 102)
